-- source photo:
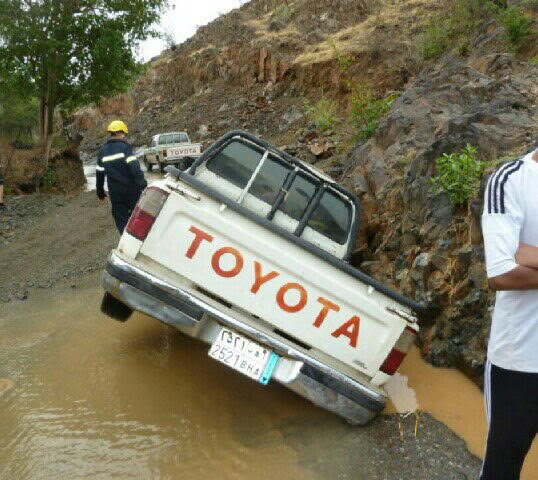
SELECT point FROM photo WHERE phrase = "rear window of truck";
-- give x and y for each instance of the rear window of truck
(171, 138)
(178, 138)
(237, 163)
(332, 217)
(164, 139)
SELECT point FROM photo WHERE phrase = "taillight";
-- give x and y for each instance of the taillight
(164, 152)
(398, 353)
(143, 217)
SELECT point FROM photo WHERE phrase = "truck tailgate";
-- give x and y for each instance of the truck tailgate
(186, 150)
(275, 280)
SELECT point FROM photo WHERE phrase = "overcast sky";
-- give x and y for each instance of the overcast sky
(182, 19)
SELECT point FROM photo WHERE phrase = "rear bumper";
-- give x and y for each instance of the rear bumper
(173, 160)
(314, 380)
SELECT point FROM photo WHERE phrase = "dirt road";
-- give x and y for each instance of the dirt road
(50, 240)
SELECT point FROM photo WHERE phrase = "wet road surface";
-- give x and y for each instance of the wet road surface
(86, 397)
(82, 396)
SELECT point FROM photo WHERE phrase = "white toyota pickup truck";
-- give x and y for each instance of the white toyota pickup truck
(247, 251)
(174, 148)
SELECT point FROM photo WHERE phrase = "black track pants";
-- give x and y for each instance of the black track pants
(121, 211)
(512, 408)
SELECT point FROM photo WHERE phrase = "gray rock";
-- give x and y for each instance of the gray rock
(359, 183)
(465, 256)
(293, 115)
(422, 261)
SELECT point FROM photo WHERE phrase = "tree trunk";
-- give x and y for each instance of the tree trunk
(50, 103)
(42, 117)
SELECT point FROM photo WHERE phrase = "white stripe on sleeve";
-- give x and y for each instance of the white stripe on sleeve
(110, 158)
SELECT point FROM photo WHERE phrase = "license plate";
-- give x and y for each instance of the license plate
(244, 355)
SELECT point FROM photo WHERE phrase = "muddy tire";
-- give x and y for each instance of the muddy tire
(115, 309)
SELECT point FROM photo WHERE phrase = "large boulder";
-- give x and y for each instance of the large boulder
(427, 248)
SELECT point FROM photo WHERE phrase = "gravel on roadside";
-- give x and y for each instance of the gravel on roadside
(50, 239)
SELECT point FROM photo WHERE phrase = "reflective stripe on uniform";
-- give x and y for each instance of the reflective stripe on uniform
(99, 169)
(132, 158)
(117, 156)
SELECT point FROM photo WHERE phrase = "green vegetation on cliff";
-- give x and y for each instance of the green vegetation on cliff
(455, 26)
(459, 175)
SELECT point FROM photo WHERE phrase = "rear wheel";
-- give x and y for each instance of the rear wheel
(187, 162)
(115, 309)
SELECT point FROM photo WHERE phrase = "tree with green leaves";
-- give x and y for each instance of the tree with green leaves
(18, 112)
(71, 52)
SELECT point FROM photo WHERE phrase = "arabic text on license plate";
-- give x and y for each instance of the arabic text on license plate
(244, 355)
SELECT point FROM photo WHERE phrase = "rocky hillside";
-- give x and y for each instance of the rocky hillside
(293, 72)
(253, 68)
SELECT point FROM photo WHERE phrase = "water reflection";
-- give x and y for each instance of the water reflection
(97, 399)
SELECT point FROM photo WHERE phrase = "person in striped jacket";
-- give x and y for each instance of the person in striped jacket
(125, 178)
(510, 230)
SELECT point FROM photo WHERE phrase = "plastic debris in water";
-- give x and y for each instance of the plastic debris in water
(403, 397)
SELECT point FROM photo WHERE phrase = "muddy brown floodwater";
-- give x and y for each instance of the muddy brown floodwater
(84, 397)
(457, 402)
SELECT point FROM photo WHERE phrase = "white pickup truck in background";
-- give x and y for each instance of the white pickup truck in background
(173, 148)
(247, 250)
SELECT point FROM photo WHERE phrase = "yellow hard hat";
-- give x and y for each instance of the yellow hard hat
(118, 126)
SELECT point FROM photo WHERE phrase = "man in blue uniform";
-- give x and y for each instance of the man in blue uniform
(124, 177)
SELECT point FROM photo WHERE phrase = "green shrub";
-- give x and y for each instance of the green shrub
(282, 14)
(517, 25)
(455, 25)
(49, 180)
(59, 142)
(367, 110)
(345, 61)
(459, 175)
(434, 41)
(323, 113)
